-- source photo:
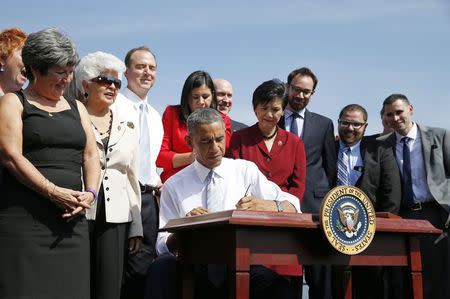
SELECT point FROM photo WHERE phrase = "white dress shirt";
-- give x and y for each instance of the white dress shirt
(418, 173)
(356, 163)
(186, 190)
(300, 120)
(128, 102)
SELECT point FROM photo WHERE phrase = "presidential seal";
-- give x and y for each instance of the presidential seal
(348, 218)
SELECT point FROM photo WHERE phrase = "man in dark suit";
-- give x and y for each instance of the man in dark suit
(423, 157)
(370, 165)
(317, 132)
(224, 94)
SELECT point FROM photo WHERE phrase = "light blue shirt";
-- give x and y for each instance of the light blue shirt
(418, 173)
(356, 163)
(300, 120)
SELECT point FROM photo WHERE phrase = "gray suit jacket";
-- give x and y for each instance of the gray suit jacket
(318, 137)
(436, 155)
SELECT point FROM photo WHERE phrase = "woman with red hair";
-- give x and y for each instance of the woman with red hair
(12, 70)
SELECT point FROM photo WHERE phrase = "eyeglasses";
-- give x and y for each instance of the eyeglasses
(296, 89)
(107, 81)
(346, 123)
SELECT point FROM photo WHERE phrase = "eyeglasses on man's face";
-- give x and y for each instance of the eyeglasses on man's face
(107, 81)
(354, 124)
(297, 90)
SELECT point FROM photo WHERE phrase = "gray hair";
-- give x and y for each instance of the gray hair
(93, 64)
(47, 48)
(201, 117)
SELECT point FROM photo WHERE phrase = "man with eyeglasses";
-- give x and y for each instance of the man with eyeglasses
(224, 95)
(423, 158)
(317, 133)
(370, 165)
(140, 72)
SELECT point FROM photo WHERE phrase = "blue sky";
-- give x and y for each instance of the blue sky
(361, 51)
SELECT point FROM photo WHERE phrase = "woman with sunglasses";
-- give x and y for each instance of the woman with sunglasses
(114, 219)
(198, 92)
(50, 179)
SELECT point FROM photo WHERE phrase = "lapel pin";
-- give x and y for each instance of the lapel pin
(130, 125)
(280, 143)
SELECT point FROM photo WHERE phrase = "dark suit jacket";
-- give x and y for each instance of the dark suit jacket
(318, 137)
(236, 126)
(380, 178)
(436, 155)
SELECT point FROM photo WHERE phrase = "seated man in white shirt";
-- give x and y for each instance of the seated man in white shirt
(235, 184)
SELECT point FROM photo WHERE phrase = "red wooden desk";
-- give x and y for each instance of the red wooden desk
(243, 238)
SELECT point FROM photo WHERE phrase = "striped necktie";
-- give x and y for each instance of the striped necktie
(342, 166)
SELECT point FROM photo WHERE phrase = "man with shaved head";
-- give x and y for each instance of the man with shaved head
(224, 94)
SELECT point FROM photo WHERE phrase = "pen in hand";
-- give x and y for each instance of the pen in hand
(248, 189)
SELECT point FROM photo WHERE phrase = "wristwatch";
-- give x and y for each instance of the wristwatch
(279, 204)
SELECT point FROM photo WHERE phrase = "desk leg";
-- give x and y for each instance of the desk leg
(185, 278)
(415, 265)
(348, 283)
(239, 279)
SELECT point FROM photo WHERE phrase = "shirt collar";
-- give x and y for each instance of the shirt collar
(202, 171)
(354, 148)
(134, 97)
(411, 134)
(289, 113)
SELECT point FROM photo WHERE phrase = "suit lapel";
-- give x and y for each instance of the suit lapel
(427, 138)
(307, 122)
(118, 129)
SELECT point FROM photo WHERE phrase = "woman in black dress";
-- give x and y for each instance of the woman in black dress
(48, 149)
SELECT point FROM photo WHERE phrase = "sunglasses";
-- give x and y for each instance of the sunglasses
(107, 81)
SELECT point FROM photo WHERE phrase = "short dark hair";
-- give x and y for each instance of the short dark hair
(195, 80)
(201, 117)
(304, 71)
(268, 91)
(129, 53)
(354, 107)
(394, 97)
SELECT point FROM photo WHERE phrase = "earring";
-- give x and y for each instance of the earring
(2, 69)
(85, 95)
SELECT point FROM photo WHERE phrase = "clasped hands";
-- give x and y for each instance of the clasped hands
(70, 201)
(250, 203)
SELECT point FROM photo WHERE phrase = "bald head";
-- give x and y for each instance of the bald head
(224, 94)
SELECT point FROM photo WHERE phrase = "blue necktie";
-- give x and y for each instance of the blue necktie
(408, 194)
(294, 126)
(342, 166)
(144, 146)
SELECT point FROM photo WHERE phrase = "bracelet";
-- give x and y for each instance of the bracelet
(91, 190)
